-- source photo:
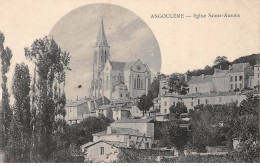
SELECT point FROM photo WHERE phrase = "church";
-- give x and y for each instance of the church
(117, 81)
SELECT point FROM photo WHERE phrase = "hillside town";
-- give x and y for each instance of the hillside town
(127, 114)
(118, 88)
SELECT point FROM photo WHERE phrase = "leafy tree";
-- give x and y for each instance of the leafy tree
(145, 104)
(178, 136)
(220, 60)
(50, 62)
(176, 110)
(6, 114)
(19, 144)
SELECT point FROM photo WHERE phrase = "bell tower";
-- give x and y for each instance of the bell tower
(100, 57)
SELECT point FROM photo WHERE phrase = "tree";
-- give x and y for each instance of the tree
(220, 59)
(6, 114)
(178, 136)
(176, 110)
(50, 63)
(21, 122)
(145, 104)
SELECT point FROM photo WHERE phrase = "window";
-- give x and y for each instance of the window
(240, 78)
(138, 81)
(126, 95)
(235, 78)
(258, 75)
(235, 86)
(219, 99)
(129, 136)
(231, 86)
(121, 95)
(191, 104)
(206, 101)
(198, 101)
(231, 78)
(165, 103)
(165, 110)
(102, 150)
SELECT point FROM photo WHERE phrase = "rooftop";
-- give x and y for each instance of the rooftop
(133, 121)
(120, 131)
(119, 66)
(200, 79)
(238, 67)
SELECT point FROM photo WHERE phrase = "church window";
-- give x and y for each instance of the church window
(135, 83)
(165, 103)
(142, 82)
(107, 83)
(121, 95)
(119, 77)
(138, 82)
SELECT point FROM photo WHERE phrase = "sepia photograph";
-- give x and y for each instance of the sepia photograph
(129, 81)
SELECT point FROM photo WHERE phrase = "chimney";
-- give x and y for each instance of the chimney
(202, 76)
(109, 130)
(229, 67)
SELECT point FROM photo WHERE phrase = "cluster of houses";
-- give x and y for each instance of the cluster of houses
(116, 87)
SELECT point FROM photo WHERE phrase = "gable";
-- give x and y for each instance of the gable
(138, 66)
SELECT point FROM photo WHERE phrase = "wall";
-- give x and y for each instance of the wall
(92, 153)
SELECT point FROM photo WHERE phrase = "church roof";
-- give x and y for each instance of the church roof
(101, 38)
(119, 66)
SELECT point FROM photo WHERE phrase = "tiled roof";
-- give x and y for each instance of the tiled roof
(257, 65)
(112, 143)
(120, 131)
(200, 79)
(238, 67)
(220, 73)
(128, 65)
(117, 144)
(133, 121)
(119, 66)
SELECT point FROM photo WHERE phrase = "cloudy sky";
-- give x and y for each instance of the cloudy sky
(185, 44)
(128, 36)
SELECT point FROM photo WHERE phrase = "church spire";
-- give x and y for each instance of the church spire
(101, 38)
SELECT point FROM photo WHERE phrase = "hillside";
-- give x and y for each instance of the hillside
(209, 70)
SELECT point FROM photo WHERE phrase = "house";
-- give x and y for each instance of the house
(77, 110)
(239, 76)
(257, 76)
(106, 145)
(200, 84)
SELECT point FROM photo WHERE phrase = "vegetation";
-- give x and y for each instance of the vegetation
(6, 113)
(145, 103)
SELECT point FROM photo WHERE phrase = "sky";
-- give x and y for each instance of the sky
(128, 36)
(185, 44)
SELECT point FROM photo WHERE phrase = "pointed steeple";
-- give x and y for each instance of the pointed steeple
(101, 38)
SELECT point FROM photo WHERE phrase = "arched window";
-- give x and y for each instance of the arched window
(105, 56)
(142, 84)
(119, 77)
(107, 83)
(134, 83)
(138, 82)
